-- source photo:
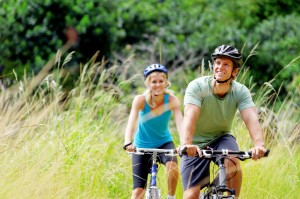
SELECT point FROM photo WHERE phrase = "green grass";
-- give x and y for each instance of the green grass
(73, 149)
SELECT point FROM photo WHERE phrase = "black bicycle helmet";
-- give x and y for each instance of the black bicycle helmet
(230, 52)
(155, 67)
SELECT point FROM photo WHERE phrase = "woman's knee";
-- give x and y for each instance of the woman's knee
(172, 167)
(138, 193)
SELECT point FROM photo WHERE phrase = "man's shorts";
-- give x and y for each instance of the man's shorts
(195, 171)
(141, 165)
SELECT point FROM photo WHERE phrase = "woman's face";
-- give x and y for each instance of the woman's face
(157, 83)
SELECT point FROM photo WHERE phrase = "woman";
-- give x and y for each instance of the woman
(152, 111)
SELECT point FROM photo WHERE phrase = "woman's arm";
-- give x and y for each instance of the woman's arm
(137, 104)
(175, 106)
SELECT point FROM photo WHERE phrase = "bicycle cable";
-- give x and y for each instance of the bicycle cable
(234, 166)
(226, 158)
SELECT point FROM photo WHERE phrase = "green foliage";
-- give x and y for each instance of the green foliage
(278, 39)
(178, 34)
(31, 33)
(267, 8)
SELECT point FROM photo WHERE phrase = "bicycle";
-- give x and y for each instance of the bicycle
(153, 191)
(217, 188)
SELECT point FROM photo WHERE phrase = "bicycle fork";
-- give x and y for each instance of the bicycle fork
(222, 188)
(153, 191)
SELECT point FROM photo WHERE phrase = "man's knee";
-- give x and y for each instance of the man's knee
(192, 193)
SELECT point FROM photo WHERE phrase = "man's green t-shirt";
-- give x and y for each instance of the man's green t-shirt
(216, 113)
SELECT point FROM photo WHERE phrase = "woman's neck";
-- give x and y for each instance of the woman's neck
(158, 100)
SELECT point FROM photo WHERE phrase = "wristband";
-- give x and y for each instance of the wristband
(126, 145)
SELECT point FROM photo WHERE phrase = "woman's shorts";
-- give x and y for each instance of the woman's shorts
(141, 165)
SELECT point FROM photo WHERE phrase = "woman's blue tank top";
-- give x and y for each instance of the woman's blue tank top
(153, 130)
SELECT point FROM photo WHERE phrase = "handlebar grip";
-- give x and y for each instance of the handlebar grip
(265, 155)
(182, 152)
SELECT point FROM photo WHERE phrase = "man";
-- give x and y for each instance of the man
(210, 104)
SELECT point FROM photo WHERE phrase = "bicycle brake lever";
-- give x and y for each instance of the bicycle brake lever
(205, 154)
(138, 152)
(246, 156)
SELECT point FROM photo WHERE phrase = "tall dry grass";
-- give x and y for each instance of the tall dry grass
(69, 145)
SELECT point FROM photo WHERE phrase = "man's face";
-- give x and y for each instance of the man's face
(223, 68)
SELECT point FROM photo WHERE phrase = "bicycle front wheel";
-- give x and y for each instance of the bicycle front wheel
(153, 193)
(215, 196)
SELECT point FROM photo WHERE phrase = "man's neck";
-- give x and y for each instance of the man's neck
(220, 89)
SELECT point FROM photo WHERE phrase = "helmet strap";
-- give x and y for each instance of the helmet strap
(222, 82)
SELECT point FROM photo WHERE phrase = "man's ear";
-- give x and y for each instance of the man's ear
(235, 72)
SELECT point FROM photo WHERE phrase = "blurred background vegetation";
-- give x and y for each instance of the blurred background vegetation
(70, 69)
(177, 33)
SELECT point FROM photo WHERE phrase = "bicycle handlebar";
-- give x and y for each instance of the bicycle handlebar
(206, 153)
(167, 152)
(210, 153)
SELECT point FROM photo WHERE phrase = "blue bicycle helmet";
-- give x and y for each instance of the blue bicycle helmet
(229, 52)
(155, 67)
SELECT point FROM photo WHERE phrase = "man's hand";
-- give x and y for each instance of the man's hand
(190, 150)
(258, 152)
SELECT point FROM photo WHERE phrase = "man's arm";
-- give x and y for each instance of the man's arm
(191, 114)
(249, 116)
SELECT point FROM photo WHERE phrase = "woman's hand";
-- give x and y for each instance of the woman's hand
(129, 147)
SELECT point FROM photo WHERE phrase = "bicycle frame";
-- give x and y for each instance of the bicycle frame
(153, 192)
(218, 187)
(153, 169)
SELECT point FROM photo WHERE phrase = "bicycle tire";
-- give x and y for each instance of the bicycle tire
(153, 193)
(215, 196)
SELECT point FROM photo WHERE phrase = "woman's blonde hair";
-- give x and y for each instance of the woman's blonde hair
(148, 94)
